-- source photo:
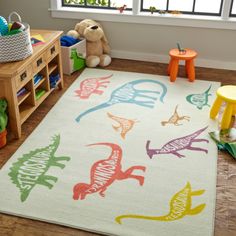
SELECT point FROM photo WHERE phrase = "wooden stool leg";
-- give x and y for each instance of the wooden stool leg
(169, 67)
(187, 67)
(234, 109)
(174, 69)
(191, 70)
(227, 116)
(215, 107)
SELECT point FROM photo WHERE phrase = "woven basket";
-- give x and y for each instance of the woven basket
(15, 47)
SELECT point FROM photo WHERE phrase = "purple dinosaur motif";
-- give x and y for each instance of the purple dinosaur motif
(178, 144)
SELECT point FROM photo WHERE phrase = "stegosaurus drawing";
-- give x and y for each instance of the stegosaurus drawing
(31, 168)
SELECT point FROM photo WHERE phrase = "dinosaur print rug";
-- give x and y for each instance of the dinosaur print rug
(120, 154)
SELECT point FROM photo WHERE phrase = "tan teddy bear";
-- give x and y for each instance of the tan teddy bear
(98, 49)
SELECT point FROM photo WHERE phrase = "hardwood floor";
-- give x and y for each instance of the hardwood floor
(225, 219)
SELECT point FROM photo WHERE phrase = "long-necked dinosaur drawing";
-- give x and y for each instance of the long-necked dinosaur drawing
(180, 206)
(92, 85)
(127, 93)
(124, 125)
(175, 118)
(178, 144)
(104, 172)
(30, 169)
(199, 100)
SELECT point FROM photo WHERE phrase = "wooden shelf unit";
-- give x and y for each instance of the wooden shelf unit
(22, 98)
(45, 61)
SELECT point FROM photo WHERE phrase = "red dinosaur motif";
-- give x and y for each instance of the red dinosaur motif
(104, 172)
(178, 144)
(92, 85)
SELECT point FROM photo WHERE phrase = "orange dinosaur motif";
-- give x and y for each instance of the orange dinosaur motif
(92, 85)
(104, 172)
(175, 118)
(125, 125)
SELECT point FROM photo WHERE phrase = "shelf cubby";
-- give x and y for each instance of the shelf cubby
(23, 97)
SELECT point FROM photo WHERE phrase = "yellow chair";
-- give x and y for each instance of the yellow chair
(225, 94)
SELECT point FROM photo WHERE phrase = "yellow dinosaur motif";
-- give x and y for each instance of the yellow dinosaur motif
(180, 206)
(125, 125)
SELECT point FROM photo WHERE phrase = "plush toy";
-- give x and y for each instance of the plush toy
(97, 46)
(73, 34)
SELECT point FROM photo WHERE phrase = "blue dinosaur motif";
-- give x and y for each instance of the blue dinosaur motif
(127, 93)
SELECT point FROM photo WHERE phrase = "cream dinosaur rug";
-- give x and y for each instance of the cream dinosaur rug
(120, 154)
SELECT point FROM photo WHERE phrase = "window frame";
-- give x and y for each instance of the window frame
(188, 12)
(92, 7)
(231, 8)
(137, 17)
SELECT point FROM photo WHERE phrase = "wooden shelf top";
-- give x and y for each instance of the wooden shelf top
(12, 68)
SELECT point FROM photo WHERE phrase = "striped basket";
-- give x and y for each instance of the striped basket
(15, 47)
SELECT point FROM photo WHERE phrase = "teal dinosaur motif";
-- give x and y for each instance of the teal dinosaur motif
(31, 168)
(199, 100)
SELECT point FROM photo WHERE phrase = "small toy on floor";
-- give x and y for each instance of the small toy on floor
(3, 122)
(225, 140)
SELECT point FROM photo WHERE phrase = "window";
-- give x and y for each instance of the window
(102, 4)
(197, 7)
(233, 9)
(218, 14)
(224, 8)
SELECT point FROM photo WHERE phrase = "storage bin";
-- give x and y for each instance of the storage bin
(17, 46)
(69, 57)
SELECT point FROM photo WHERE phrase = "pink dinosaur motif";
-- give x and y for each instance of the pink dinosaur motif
(176, 145)
(104, 172)
(92, 85)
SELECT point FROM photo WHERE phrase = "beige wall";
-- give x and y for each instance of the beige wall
(213, 45)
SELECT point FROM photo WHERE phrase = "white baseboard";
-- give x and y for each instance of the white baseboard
(200, 62)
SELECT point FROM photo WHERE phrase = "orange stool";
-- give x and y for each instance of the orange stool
(188, 57)
(225, 94)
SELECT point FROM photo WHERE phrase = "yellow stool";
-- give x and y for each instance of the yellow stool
(225, 94)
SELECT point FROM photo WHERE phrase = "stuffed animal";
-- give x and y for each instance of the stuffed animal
(97, 46)
(73, 34)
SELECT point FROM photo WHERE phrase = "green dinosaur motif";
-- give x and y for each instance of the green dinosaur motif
(31, 168)
(199, 100)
